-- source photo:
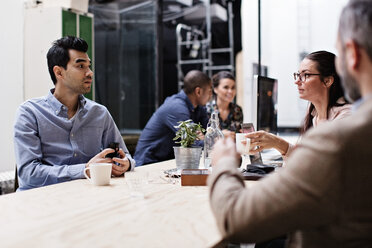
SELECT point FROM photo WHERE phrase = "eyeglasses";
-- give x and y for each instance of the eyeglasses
(303, 76)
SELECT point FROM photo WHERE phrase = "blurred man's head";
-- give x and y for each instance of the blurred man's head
(354, 35)
(198, 84)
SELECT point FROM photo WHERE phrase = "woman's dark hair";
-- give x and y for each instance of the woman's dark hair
(325, 64)
(58, 54)
(221, 75)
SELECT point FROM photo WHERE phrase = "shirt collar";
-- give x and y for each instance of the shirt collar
(187, 100)
(214, 105)
(57, 106)
(359, 102)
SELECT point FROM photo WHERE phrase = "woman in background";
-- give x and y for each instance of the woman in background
(317, 82)
(230, 114)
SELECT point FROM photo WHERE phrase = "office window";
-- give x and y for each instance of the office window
(126, 68)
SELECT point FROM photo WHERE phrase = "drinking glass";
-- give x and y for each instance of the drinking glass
(241, 148)
(136, 181)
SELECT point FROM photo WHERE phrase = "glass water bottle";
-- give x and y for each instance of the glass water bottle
(213, 134)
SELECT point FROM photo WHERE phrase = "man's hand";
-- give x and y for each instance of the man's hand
(224, 148)
(118, 170)
(100, 157)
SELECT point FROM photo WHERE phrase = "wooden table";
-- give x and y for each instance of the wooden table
(78, 214)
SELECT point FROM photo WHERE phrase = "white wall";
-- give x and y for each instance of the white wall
(281, 46)
(11, 71)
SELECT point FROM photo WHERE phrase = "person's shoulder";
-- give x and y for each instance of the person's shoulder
(237, 107)
(179, 97)
(345, 141)
(31, 109)
(342, 130)
(237, 111)
(92, 105)
(33, 103)
(175, 102)
(339, 112)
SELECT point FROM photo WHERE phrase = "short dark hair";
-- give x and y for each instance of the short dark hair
(325, 64)
(194, 79)
(58, 54)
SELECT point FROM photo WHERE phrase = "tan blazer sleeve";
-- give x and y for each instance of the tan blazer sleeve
(304, 194)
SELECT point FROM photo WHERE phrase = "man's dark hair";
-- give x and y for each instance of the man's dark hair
(194, 79)
(58, 54)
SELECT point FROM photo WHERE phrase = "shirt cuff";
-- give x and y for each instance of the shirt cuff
(132, 164)
(76, 171)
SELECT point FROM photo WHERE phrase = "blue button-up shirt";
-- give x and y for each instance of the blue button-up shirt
(156, 141)
(50, 148)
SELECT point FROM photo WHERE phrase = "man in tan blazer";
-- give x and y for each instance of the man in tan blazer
(323, 196)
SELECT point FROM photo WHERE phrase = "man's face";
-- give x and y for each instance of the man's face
(351, 88)
(205, 95)
(78, 76)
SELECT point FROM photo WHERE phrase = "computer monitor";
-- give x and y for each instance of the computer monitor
(266, 103)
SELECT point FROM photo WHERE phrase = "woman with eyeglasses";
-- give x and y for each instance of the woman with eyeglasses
(230, 114)
(317, 82)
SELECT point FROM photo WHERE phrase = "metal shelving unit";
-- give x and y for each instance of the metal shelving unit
(204, 40)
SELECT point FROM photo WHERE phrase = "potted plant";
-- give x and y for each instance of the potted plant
(187, 156)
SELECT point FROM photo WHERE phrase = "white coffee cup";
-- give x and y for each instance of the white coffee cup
(100, 173)
(240, 147)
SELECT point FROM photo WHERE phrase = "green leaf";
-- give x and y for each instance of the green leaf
(187, 132)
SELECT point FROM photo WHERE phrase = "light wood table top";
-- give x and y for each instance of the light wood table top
(78, 214)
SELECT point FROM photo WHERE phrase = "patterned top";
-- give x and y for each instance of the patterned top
(234, 119)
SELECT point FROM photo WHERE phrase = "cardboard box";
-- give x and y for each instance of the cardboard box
(194, 177)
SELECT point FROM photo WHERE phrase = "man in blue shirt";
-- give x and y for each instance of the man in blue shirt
(57, 136)
(156, 141)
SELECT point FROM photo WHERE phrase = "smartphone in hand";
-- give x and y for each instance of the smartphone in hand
(115, 154)
(247, 128)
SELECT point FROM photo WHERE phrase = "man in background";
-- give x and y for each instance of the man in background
(156, 141)
(57, 136)
(321, 197)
